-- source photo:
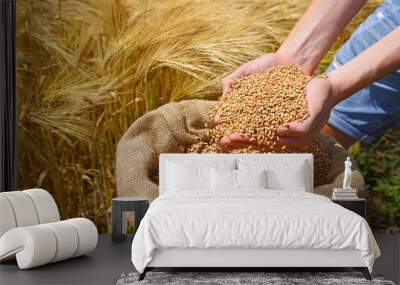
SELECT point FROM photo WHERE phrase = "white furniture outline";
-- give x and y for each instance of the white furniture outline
(249, 257)
(31, 231)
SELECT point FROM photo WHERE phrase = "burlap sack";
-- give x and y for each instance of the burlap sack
(165, 129)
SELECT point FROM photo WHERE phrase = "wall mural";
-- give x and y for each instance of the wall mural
(86, 70)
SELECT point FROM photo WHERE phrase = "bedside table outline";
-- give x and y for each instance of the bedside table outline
(119, 207)
(358, 206)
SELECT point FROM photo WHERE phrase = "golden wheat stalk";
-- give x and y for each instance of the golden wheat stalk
(87, 69)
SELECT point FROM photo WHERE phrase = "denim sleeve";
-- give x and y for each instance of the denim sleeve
(373, 110)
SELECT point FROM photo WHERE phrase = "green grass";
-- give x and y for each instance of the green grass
(380, 165)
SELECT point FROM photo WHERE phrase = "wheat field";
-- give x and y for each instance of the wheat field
(87, 69)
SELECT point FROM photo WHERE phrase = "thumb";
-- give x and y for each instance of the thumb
(217, 120)
(231, 77)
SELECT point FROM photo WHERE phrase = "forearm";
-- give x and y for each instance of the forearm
(372, 64)
(317, 29)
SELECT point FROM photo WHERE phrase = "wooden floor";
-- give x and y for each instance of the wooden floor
(103, 266)
(111, 259)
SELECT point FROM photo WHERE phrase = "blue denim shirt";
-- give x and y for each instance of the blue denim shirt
(375, 109)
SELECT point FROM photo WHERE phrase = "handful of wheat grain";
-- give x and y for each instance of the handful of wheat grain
(256, 105)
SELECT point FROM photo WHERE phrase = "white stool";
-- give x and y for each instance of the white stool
(31, 230)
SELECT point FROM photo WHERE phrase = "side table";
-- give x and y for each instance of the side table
(121, 205)
(358, 206)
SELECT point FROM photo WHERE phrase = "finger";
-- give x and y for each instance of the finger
(218, 119)
(225, 141)
(234, 139)
(225, 84)
(239, 140)
(238, 137)
(231, 77)
(294, 129)
(282, 130)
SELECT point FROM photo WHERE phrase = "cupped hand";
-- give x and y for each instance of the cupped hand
(269, 60)
(320, 101)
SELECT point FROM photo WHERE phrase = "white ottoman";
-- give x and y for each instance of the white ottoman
(31, 230)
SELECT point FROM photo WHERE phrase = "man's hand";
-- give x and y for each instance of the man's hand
(305, 46)
(320, 100)
(269, 60)
(257, 65)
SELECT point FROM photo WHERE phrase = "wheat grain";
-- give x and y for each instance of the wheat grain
(256, 105)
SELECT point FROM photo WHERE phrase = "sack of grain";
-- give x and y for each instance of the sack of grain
(163, 130)
(168, 128)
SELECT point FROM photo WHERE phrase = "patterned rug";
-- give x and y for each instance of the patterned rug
(243, 278)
